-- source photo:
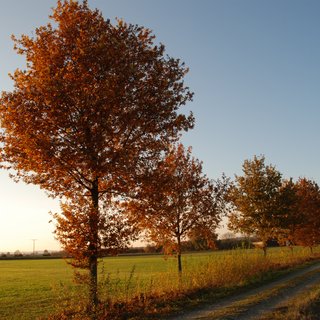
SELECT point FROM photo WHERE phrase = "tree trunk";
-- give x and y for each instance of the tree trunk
(291, 248)
(93, 248)
(179, 263)
(179, 255)
(264, 248)
(311, 249)
(93, 261)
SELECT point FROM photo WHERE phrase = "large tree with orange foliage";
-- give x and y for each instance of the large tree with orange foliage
(178, 201)
(94, 104)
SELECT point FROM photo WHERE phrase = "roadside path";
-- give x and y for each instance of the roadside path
(256, 302)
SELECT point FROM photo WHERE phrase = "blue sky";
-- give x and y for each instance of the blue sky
(254, 68)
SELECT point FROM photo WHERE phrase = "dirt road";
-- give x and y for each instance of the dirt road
(256, 302)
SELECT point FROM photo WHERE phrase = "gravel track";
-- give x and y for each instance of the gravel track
(284, 289)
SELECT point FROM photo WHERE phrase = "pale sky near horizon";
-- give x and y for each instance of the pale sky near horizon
(254, 68)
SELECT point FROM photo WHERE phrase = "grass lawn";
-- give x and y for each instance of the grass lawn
(27, 287)
(31, 288)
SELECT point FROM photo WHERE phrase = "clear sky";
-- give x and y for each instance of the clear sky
(254, 68)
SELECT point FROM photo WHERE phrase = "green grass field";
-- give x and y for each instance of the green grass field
(35, 288)
(27, 287)
(31, 288)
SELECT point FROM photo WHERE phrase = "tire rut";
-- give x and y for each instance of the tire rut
(286, 287)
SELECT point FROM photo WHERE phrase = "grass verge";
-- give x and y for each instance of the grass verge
(138, 296)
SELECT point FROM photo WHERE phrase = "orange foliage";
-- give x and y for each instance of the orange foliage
(178, 200)
(286, 223)
(73, 229)
(307, 232)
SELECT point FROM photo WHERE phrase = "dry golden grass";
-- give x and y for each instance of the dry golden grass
(138, 294)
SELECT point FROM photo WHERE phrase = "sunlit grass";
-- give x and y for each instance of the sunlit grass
(31, 288)
(26, 287)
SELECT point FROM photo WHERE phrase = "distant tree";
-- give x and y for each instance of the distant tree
(228, 235)
(307, 231)
(234, 243)
(46, 253)
(200, 242)
(255, 200)
(179, 199)
(95, 103)
(17, 253)
(289, 218)
(150, 248)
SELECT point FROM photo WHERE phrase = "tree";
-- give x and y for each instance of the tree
(289, 218)
(17, 253)
(46, 253)
(198, 241)
(179, 200)
(228, 235)
(95, 103)
(307, 231)
(255, 200)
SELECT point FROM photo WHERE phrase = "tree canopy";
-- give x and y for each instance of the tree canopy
(307, 231)
(255, 199)
(179, 201)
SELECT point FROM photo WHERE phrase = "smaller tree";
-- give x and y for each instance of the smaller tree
(177, 201)
(307, 232)
(289, 218)
(255, 199)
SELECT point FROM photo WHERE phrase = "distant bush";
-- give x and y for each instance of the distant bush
(17, 253)
(46, 253)
(234, 243)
